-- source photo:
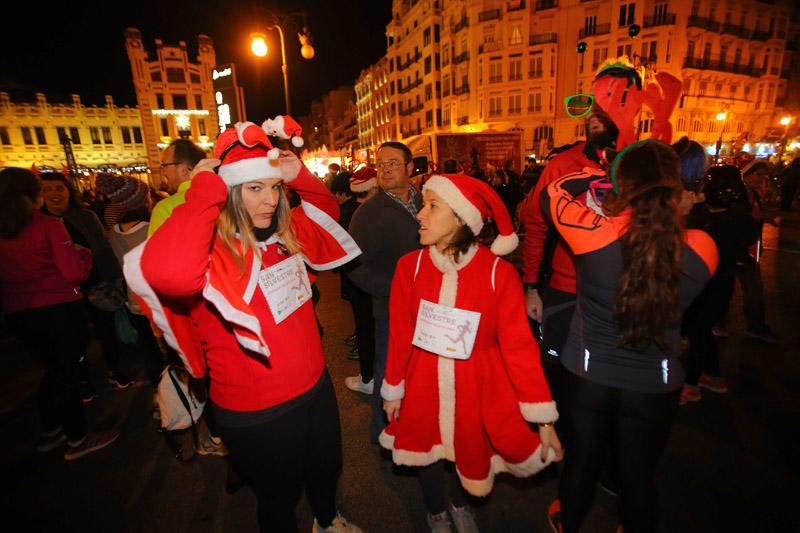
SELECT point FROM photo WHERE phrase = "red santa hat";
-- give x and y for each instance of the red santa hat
(364, 180)
(246, 155)
(284, 127)
(474, 201)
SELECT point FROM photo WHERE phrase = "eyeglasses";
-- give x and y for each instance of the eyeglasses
(579, 105)
(164, 165)
(389, 165)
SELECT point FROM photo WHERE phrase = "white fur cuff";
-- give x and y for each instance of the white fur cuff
(391, 393)
(540, 412)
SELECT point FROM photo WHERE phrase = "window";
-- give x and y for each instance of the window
(179, 101)
(445, 55)
(426, 36)
(107, 135)
(194, 78)
(515, 104)
(515, 70)
(697, 126)
(534, 102)
(446, 84)
(623, 50)
(75, 135)
(156, 75)
(94, 134)
(707, 52)
(40, 137)
(61, 133)
(164, 127)
(703, 88)
(4, 140)
(737, 57)
(26, 135)
(159, 101)
(198, 101)
(495, 72)
(690, 49)
(137, 135)
(436, 33)
(175, 75)
(201, 125)
(516, 36)
(590, 25)
(627, 14)
(645, 126)
(536, 66)
(429, 118)
(126, 134)
(681, 124)
(428, 65)
(495, 106)
(428, 92)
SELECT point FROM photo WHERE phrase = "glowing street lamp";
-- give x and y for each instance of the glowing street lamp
(721, 117)
(258, 44)
(785, 121)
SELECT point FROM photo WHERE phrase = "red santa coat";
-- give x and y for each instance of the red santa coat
(473, 412)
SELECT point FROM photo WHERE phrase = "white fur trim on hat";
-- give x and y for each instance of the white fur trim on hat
(363, 186)
(254, 168)
(457, 201)
(505, 244)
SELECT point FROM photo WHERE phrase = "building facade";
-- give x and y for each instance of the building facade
(175, 96)
(507, 65)
(32, 133)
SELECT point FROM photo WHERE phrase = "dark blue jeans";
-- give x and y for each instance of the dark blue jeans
(381, 349)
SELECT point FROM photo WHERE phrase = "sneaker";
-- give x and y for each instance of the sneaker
(353, 354)
(354, 383)
(120, 381)
(463, 519)
(713, 383)
(339, 525)
(720, 331)
(88, 393)
(90, 443)
(765, 335)
(554, 516)
(211, 445)
(439, 523)
(352, 340)
(690, 393)
(49, 441)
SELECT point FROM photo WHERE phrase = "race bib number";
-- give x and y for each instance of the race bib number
(446, 331)
(285, 286)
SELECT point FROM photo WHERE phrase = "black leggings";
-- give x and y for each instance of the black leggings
(297, 448)
(635, 425)
(432, 479)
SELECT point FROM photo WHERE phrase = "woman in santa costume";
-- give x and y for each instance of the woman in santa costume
(225, 279)
(463, 378)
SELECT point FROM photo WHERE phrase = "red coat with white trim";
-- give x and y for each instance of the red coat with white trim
(216, 316)
(473, 412)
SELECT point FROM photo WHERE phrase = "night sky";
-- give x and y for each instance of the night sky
(80, 48)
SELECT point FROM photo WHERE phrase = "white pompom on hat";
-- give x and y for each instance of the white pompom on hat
(474, 201)
(284, 127)
(243, 150)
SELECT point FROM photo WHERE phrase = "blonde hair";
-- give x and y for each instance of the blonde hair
(234, 219)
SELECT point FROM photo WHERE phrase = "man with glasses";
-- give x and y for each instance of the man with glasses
(177, 162)
(385, 227)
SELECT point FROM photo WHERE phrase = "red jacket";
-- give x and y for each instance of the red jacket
(563, 278)
(216, 317)
(41, 267)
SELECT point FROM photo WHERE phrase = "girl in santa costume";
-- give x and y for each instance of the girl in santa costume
(220, 278)
(463, 378)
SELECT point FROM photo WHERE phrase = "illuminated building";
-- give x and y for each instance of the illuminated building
(176, 96)
(31, 133)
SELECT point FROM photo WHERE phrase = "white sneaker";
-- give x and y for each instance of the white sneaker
(439, 523)
(354, 383)
(463, 519)
(339, 525)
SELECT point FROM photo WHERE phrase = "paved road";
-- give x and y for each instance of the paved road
(732, 463)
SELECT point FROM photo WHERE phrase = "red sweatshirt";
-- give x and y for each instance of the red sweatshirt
(286, 359)
(563, 279)
(41, 267)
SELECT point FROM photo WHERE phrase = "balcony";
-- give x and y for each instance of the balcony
(703, 22)
(490, 47)
(461, 24)
(543, 38)
(464, 89)
(412, 109)
(460, 58)
(599, 29)
(760, 35)
(541, 5)
(735, 29)
(664, 19)
(722, 66)
(489, 14)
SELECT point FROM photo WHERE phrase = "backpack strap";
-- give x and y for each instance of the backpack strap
(185, 402)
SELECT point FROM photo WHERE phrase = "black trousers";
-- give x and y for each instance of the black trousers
(635, 425)
(298, 448)
(106, 331)
(432, 480)
(361, 303)
(57, 335)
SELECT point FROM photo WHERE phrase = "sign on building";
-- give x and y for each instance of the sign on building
(228, 96)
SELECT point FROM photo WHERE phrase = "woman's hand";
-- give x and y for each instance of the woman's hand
(392, 409)
(550, 441)
(290, 165)
(205, 165)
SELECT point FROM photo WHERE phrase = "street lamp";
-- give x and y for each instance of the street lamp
(785, 121)
(258, 45)
(721, 117)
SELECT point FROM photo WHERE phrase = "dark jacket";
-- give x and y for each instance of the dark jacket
(385, 232)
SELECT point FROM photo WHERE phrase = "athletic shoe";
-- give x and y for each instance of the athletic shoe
(554, 516)
(690, 393)
(352, 340)
(119, 380)
(720, 331)
(765, 335)
(339, 525)
(353, 354)
(210, 445)
(463, 519)
(88, 393)
(49, 441)
(713, 383)
(439, 523)
(354, 383)
(90, 443)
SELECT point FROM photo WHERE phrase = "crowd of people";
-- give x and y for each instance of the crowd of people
(475, 366)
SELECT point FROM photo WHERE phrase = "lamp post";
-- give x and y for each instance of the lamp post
(258, 45)
(785, 121)
(721, 117)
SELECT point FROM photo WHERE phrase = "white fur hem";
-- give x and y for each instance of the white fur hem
(409, 458)
(392, 393)
(527, 468)
(457, 201)
(539, 412)
(364, 186)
